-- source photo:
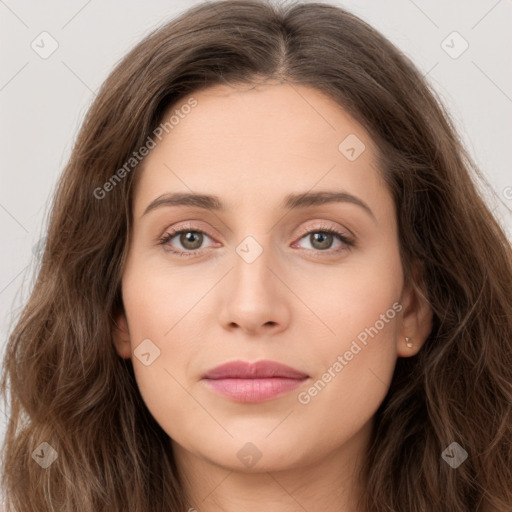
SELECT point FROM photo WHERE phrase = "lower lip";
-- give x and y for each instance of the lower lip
(253, 390)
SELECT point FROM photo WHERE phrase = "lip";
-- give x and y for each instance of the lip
(258, 370)
(253, 382)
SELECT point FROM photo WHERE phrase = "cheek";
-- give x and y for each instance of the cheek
(163, 307)
(355, 371)
(355, 296)
(159, 299)
(356, 362)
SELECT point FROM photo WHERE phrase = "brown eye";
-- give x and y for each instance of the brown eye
(184, 242)
(321, 240)
(191, 240)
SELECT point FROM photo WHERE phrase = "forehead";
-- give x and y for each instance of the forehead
(279, 115)
(257, 142)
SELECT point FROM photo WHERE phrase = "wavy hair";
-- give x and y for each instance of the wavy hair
(67, 386)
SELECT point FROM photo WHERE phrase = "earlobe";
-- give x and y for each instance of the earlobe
(416, 318)
(121, 335)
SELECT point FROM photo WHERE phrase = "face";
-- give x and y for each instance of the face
(314, 284)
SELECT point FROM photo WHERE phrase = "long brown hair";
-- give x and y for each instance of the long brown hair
(69, 388)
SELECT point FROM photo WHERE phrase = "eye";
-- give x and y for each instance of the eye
(190, 240)
(321, 239)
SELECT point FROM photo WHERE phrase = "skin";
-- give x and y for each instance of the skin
(300, 303)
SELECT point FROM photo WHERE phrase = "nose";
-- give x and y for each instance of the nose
(255, 300)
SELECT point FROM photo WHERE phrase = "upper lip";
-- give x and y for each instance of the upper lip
(257, 370)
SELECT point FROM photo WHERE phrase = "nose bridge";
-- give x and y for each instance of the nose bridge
(253, 259)
(253, 299)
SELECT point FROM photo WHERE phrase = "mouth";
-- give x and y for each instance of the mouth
(247, 382)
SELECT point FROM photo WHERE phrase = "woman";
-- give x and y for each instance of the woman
(269, 282)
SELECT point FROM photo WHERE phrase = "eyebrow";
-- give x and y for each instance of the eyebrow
(290, 202)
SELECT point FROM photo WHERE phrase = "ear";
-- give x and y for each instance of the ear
(121, 335)
(416, 316)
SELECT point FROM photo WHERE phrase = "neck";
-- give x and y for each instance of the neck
(330, 482)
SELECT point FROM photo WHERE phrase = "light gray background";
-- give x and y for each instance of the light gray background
(43, 101)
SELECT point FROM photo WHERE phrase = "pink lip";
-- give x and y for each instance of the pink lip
(253, 382)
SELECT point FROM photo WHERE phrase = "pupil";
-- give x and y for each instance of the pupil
(323, 238)
(188, 238)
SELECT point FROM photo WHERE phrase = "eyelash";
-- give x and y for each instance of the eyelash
(349, 243)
